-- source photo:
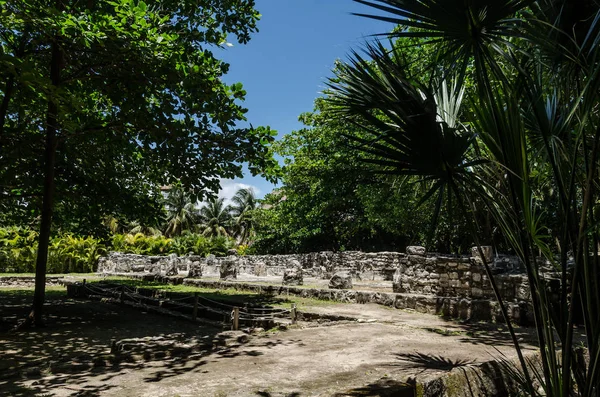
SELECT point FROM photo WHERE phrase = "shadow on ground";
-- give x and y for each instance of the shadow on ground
(73, 351)
(382, 388)
(430, 361)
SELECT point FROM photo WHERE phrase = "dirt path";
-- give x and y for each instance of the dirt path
(384, 345)
(308, 362)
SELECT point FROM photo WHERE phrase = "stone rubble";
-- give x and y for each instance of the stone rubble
(462, 281)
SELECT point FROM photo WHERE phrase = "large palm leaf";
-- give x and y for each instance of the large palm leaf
(403, 131)
(537, 77)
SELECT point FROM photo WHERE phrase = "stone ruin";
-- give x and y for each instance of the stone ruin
(441, 284)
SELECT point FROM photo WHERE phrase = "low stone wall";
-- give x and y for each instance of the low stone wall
(432, 283)
(369, 266)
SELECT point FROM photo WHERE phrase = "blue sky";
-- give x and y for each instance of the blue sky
(285, 65)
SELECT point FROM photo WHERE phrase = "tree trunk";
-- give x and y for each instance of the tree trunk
(35, 317)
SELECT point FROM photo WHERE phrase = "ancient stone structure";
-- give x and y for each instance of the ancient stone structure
(451, 285)
(229, 268)
(293, 275)
(341, 280)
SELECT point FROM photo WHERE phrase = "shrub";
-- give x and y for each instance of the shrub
(74, 254)
(67, 253)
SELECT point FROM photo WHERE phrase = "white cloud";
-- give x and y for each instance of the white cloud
(230, 186)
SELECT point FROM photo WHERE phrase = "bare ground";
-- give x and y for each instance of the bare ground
(384, 346)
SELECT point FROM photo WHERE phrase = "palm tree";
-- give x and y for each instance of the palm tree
(136, 227)
(181, 212)
(214, 218)
(244, 203)
(534, 122)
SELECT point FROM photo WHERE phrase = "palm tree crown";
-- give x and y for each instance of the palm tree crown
(181, 212)
(214, 218)
(244, 203)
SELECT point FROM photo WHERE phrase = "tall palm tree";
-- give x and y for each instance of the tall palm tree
(535, 118)
(244, 203)
(215, 218)
(181, 212)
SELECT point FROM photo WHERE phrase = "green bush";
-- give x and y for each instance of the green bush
(73, 254)
(67, 253)
(181, 245)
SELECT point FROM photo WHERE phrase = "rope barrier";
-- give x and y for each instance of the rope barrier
(244, 315)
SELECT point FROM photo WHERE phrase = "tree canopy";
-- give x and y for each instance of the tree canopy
(103, 102)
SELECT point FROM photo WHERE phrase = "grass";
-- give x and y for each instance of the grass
(229, 295)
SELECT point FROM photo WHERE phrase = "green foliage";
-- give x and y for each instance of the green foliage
(215, 218)
(330, 200)
(181, 245)
(72, 254)
(67, 253)
(242, 213)
(141, 102)
(526, 151)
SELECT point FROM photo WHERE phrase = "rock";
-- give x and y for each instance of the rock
(397, 281)
(415, 250)
(488, 253)
(260, 269)
(341, 280)
(171, 269)
(195, 269)
(293, 275)
(232, 252)
(211, 260)
(229, 269)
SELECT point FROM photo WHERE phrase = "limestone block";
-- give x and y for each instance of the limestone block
(229, 269)
(260, 269)
(488, 253)
(171, 268)
(195, 269)
(477, 292)
(341, 280)
(293, 275)
(397, 281)
(415, 250)
(476, 277)
(211, 260)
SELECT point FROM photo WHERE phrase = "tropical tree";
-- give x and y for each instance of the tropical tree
(108, 98)
(182, 213)
(215, 218)
(242, 213)
(526, 149)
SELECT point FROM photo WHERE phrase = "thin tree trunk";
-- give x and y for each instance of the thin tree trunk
(35, 317)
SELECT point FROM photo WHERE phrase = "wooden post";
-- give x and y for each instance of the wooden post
(195, 312)
(84, 281)
(235, 325)
(293, 313)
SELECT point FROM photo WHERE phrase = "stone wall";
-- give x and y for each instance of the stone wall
(433, 283)
(371, 266)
